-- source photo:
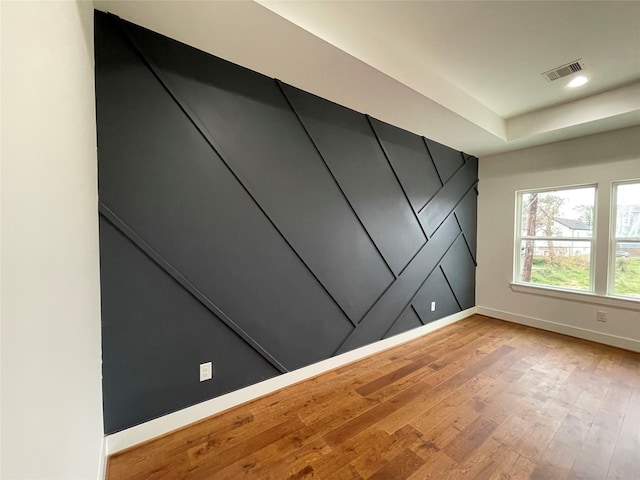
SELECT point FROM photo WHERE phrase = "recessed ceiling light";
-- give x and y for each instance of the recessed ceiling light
(577, 81)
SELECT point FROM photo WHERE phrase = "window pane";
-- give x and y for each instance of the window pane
(627, 269)
(626, 257)
(563, 264)
(560, 213)
(628, 211)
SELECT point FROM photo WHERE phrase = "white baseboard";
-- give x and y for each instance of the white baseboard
(102, 465)
(583, 333)
(160, 426)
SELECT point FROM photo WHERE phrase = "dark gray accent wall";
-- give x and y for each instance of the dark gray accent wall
(251, 224)
(154, 331)
(351, 151)
(410, 159)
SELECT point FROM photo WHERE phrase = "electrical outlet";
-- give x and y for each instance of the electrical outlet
(206, 371)
(602, 316)
(433, 306)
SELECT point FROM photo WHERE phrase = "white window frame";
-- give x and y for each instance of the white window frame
(519, 238)
(614, 239)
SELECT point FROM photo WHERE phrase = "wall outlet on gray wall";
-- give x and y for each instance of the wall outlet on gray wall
(206, 371)
(433, 306)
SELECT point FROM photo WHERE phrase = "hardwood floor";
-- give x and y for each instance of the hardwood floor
(480, 399)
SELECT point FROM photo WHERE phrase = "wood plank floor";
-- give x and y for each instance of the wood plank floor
(480, 399)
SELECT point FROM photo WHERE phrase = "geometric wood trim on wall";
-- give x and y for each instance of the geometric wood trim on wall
(249, 223)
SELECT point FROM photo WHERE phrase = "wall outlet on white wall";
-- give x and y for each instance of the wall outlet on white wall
(206, 371)
(433, 306)
(602, 316)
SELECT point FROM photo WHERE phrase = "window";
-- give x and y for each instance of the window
(624, 264)
(556, 244)
(555, 237)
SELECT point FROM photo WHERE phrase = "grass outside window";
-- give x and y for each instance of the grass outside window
(573, 273)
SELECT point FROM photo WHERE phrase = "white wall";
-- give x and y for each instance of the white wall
(51, 370)
(602, 159)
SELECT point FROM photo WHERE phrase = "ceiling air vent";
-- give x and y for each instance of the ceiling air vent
(564, 70)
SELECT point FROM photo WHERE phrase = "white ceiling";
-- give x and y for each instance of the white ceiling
(464, 73)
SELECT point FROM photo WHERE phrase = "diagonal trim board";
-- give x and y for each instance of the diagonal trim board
(411, 162)
(282, 86)
(449, 196)
(385, 150)
(186, 284)
(152, 306)
(351, 151)
(224, 156)
(407, 320)
(436, 287)
(224, 136)
(384, 313)
(302, 228)
(465, 213)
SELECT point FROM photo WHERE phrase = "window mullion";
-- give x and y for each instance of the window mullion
(603, 234)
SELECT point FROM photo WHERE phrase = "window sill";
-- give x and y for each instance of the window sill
(581, 297)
